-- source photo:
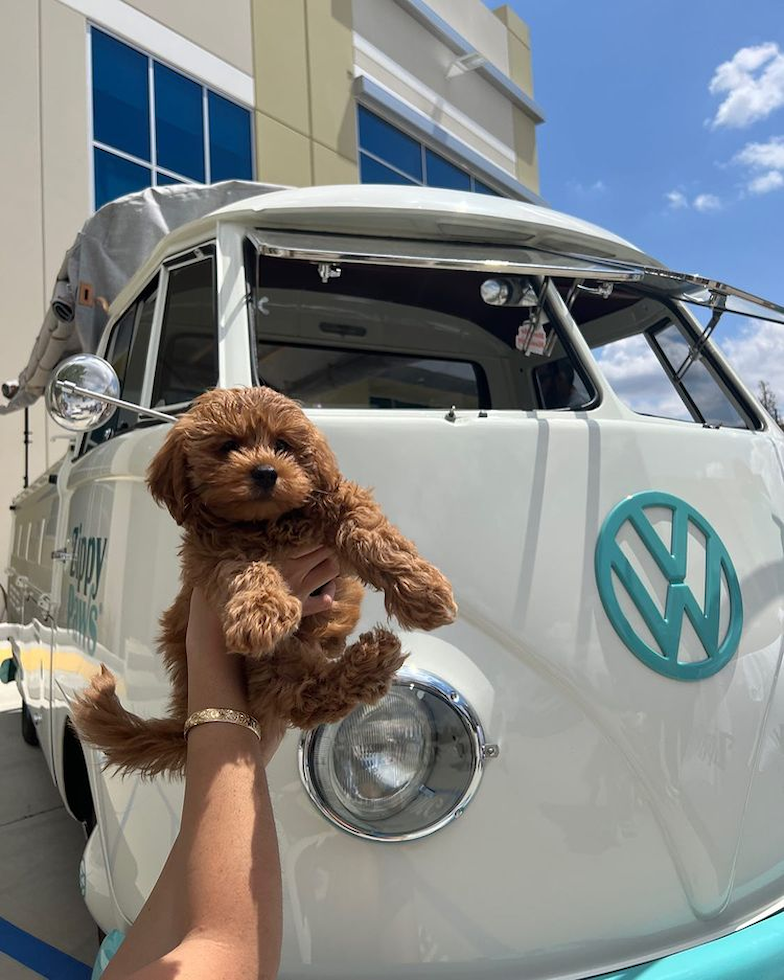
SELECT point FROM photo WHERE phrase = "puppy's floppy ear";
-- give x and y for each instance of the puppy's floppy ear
(167, 475)
(325, 462)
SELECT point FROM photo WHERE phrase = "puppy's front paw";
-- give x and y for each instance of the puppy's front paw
(424, 601)
(256, 630)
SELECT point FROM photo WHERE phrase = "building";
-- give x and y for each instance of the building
(103, 97)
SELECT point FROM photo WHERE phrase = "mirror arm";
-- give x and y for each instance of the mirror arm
(75, 389)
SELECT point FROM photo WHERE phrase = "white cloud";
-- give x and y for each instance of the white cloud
(706, 202)
(757, 354)
(763, 156)
(752, 83)
(597, 187)
(765, 183)
(676, 200)
(637, 378)
(767, 157)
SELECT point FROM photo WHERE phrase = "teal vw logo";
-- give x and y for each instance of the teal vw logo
(614, 572)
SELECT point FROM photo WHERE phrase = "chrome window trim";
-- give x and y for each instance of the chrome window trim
(412, 678)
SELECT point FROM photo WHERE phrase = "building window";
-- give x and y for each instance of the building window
(387, 155)
(153, 125)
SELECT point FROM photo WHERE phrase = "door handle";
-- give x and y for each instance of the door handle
(61, 554)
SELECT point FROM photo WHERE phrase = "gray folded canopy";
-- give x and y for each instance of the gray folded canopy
(110, 248)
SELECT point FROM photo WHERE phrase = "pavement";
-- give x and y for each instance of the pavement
(45, 928)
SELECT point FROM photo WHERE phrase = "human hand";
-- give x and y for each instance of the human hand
(308, 569)
(216, 678)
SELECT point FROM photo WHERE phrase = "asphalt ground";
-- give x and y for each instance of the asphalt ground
(45, 928)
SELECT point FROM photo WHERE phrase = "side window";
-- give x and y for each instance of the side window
(127, 353)
(188, 349)
(647, 356)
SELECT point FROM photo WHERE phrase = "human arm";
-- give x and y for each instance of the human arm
(216, 908)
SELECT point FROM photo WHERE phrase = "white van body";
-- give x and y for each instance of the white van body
(617, 813)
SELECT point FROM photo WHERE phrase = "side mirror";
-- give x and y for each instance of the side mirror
(83, 393)
(74, 393)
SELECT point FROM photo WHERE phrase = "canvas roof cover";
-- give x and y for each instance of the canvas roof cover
(111, 246)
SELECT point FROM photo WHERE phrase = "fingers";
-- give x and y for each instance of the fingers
(324, 572)
(321, 602)
(317, 553)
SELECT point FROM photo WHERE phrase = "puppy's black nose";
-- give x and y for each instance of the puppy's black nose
(264, 476)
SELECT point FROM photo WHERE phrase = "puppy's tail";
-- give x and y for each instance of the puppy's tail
(149, 746)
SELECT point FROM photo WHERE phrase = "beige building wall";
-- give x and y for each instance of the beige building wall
(45, 167)
(305, 117)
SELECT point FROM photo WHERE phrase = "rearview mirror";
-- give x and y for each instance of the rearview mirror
(83, 393)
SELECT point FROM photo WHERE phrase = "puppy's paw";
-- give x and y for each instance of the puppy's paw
(422, 601)
(256, 630)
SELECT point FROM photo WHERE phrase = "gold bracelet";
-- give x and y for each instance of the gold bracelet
(228, 715)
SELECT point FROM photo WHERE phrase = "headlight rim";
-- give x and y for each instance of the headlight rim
(412, 678)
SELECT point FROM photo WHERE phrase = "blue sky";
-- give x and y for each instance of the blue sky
(665, 124)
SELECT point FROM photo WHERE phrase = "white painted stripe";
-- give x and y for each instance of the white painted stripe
(436, 101)
(164, 43)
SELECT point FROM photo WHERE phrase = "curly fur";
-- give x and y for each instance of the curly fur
(214, 475)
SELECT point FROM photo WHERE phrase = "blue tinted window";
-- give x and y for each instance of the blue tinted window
(481, 188)
(385, 141)
(441, 173)
(373, 172)
(230, 153)
(163, 179)
(115, 177)
(121, 106)
(179, 123)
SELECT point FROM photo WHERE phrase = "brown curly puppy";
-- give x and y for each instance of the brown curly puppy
(250, 478)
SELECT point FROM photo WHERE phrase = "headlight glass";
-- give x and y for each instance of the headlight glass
(401, 768)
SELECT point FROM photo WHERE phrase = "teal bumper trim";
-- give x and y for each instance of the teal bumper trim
(754, 953)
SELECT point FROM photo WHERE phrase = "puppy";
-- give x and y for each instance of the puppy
(250, 478)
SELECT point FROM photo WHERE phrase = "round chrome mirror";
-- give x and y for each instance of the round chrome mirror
(81, 411)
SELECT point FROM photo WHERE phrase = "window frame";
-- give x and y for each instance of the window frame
(713, 367)
(190, 256)
(679, 316)
(152, 164)
(135, 304)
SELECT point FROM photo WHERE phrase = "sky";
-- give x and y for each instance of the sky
(665, 124)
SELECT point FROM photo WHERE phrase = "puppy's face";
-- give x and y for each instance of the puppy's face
(241, 454)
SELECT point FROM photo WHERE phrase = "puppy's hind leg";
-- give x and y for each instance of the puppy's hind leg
(147, 745)
(324, 691)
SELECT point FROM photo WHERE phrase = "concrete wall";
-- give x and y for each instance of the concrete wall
(223, 28)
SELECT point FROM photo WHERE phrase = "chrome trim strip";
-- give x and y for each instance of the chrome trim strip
(413, 678)
(432, 255)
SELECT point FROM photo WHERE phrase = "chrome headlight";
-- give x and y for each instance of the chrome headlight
(399, 769)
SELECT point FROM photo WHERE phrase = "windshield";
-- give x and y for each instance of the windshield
(379, 336)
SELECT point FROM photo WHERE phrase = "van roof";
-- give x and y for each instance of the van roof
(380, 210)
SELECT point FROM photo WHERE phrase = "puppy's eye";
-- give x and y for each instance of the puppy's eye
(281, 446)
(229, 446)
